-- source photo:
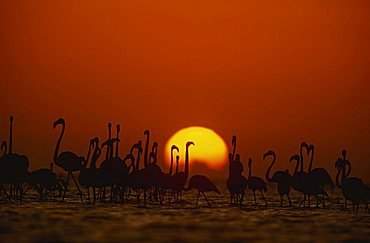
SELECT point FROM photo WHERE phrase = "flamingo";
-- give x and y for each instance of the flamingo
(319, 175)
(139, 177)
(46, 179)
(168, 179)
(180, 178)
(113, 170)
(236, 182)
(281, 177)
(353, 188)
(202, 184)
(67, 160)
(85, 174)
(255, 183)
(300, 178)
(14, 167)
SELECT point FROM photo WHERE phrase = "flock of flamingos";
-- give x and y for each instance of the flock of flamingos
(118, 178)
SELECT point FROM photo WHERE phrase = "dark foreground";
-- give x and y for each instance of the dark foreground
(182, 221)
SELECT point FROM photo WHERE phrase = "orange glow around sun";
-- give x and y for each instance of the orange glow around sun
(209, 148)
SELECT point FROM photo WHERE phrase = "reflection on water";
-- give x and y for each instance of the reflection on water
(71, 221)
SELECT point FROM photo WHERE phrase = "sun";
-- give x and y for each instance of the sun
(210, 149)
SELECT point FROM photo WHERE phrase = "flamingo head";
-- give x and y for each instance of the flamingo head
(189, 143)
(11, 119)
(58, 122)
(344, 153)
(177, 158)
(294, 157)
(95, 141)
(118, 127)
(268, 153)
(250, 162)
(304, 145)
(174, 147)
(310, 149)
(233, 140)
(109, 125)
(155, 146)
(237, 157)
(147, 132)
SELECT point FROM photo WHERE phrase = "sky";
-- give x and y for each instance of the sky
(274, 73)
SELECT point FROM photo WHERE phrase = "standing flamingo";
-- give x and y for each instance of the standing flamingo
(14, 167)
(319, 175)
(353, 188)
(255, 183)
(236, 182)
(281, 177)
(67, 160)
(180, 178)
(300, 178)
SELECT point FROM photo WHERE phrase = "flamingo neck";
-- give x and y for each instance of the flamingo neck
(11, 136)
(311, 160)
(187, 162)
(58, 144)
(268, 178)
(301, 160)
(146, 151)
(171, 164)
(117, 144)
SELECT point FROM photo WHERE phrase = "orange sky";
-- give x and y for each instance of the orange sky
(272, 72)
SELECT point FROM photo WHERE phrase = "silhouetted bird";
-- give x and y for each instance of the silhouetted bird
(180, 178)
(353, 188)
(319, 175)
(14, 168)
(67, 160)
(202, 184)
(255, 183)
(281, 177)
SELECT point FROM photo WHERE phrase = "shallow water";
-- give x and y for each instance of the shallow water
(183, 221)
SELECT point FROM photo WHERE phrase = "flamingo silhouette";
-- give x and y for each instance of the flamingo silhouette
(236, 182)
(300, 179)
(353, 188)
(113, 170)
(139, 177)
(67, 160)
(255, 183)
(202, 184)
(180, 178)
(45, 180)
(15, 168)
(319, 175)
(281, 177)
(168, 179)
(84, 178)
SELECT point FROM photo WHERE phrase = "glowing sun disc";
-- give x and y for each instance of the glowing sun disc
(210, 149)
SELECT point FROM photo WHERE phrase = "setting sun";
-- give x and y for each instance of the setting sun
(210, 149)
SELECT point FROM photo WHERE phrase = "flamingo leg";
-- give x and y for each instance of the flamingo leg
(290, 202)
(94, 194)
(196, 203)
(254, 195)
(263, 197)
(79, 190)
(206, 199)
(303, 201)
